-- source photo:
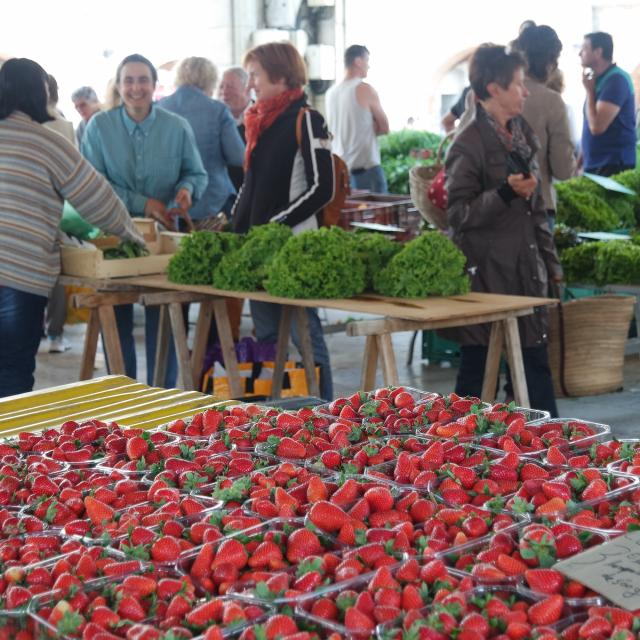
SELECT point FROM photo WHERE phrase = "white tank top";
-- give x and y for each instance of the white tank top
(354, 137)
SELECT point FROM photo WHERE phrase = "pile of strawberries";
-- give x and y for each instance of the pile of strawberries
(394, 513)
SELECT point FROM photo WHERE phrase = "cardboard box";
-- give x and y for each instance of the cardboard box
(92, 264)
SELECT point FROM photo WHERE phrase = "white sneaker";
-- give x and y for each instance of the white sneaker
(58, 345)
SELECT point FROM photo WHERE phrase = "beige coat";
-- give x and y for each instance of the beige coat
(546, 112)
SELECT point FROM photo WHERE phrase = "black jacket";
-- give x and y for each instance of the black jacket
(287, 183)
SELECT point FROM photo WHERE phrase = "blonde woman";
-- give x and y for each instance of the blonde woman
(217, 136)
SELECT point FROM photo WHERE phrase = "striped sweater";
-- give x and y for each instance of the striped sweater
(39, 169)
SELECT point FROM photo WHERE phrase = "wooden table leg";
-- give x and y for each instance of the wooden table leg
(111, 338)
(228, 348)
(388, 358)
(282, 347)
(369, 364)
(306, 351)
(514, 356)
(200, 340)
(492, 366)
(162, 347)
(90, 345)
(185, 379)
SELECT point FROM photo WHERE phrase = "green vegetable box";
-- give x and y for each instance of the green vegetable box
(93, 263)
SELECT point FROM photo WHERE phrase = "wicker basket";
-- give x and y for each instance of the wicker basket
(587, 338)
(420, 179)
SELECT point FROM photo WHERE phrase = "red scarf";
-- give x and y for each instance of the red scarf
(260, 116)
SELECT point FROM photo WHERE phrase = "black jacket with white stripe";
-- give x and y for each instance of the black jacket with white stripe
(285, 182)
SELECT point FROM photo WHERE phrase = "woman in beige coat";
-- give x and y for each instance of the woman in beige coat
(546, 112)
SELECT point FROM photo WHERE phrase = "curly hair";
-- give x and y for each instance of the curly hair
(197, 72)
(541, 48)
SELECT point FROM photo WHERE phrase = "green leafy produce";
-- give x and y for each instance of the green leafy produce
(396, 159)
(579, 263)
(126, 249)
(317, 264)
(580, 206)
(246, 268)
(430, 265)
(631, 180)
(376, 251)
(618, 262)
(199, 254)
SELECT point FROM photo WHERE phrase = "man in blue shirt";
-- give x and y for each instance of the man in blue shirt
(609, 129)
(217, 137)
(150, 158)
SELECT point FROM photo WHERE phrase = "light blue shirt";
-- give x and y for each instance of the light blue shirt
(218, 141)
(149, 159)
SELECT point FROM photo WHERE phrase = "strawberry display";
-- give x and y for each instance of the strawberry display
(393, 513)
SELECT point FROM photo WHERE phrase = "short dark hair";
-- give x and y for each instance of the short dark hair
(492, 63)
(353, 52)
(22, 88)
(52, 85)
(601, 40)
(541, 48)
(136, 57)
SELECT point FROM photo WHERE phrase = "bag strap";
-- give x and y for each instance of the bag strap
(299, 118)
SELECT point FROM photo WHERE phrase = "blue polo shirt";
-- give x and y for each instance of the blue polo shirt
(616, 145)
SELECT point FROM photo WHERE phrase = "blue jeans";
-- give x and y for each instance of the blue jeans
(372, 180)
(124, 320)
(21, 319)
(266, 319)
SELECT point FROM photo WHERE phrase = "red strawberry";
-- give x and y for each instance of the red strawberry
(165, 549)
(544, 580)
(301, 544)
(595, 627)
(546, 611)
(279, 626)
(327, 516)
(97, 511)
(137, 447)
(205, 613)
(358, 622)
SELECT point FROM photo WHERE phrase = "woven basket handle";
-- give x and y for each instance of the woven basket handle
(440, 150)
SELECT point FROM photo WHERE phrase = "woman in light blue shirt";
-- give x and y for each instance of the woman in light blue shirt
(151, 159)
(217, 136)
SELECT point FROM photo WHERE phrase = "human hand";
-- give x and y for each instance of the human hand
(524, 187)
(183, 200)
(157, 210)
(589, 81)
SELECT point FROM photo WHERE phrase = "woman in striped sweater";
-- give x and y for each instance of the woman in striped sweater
(39, 169)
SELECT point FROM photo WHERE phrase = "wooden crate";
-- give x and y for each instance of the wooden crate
(92, 264)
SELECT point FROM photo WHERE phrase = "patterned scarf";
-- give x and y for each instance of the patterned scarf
(512, 136)
(260, 116)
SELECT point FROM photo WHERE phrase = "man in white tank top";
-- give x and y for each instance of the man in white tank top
(355, 117)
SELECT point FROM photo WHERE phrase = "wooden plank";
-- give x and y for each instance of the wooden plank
(391, 325)
(306, 351)
(492, 366)
(282, 347)
(90, 345)
(200, 339)
(514, 356)
(162, 347)
(92, 300)
(111, 338)
(228, 348)
(369, 364)
(185, 379)
(388, 359)
(165, 297)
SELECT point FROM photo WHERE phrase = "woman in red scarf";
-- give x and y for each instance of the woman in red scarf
(285, 181)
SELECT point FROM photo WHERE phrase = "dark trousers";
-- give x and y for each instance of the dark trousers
(536, 369)
(609, 169)
(21, 318)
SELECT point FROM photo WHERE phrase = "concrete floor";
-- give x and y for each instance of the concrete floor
(620, 410)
